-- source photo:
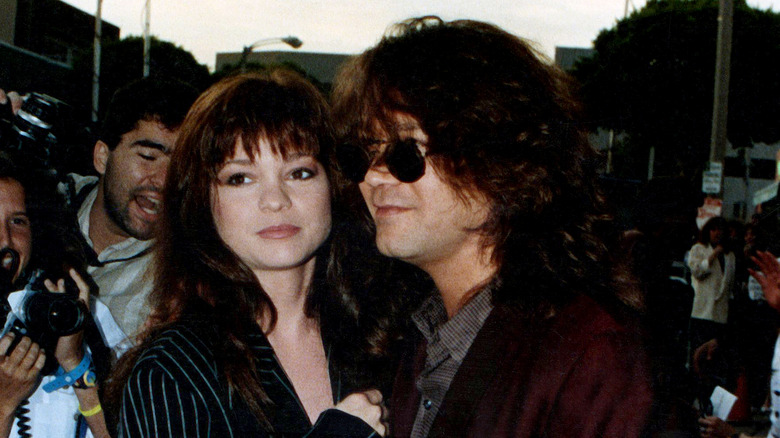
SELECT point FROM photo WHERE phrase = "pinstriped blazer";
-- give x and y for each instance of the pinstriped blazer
(176, 390)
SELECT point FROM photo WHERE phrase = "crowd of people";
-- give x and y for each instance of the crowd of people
(734, 320)
(425, 254)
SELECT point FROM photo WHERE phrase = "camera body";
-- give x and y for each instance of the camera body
(33, 132)
(43, 316)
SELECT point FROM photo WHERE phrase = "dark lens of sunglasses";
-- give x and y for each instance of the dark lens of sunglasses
(353, 162)
(405, 161)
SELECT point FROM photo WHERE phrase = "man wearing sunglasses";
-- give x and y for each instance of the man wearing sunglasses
(467, 149)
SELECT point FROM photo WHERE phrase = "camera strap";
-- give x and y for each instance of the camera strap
(62, 378)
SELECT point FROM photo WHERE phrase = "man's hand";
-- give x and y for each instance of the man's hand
(704, 352)
(70, 350)
(768, 276)
(18, 371)
(368, 407)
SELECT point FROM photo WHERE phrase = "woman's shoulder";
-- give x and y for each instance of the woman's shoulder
(698, 246)
(181, 348)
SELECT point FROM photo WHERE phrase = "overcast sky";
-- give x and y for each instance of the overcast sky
(205, 27)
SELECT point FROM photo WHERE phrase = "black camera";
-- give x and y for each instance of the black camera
(43, 316)
(33, 132)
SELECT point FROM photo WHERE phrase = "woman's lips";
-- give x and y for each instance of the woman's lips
(279, 231)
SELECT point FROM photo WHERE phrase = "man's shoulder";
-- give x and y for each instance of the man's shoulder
(582, 317)
(583, 336)
(589, 318)
(574, 332)
(75, 187)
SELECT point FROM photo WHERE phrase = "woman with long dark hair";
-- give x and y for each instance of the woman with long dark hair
(713, 267)
(248, 335)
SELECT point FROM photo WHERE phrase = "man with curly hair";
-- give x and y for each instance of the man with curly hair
(469, 154)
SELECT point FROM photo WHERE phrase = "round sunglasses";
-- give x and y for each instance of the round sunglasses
(403, 158)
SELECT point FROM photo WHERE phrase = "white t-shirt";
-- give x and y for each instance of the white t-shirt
(54, 414)
(125, 278)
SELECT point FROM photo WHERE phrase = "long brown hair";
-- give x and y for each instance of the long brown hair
(501, 121)
(195, 271)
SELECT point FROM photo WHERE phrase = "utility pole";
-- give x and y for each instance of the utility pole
(712, 177)
(147, 13)
(96, 61)
(720, 102)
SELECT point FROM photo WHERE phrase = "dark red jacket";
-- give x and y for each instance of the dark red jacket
(578, 374)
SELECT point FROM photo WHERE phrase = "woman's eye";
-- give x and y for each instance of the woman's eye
(303, 173)
(237, 179)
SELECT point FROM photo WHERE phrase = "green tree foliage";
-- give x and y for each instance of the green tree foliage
(122, 62)
(652, 77)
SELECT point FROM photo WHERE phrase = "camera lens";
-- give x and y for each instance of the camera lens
(56, 314)
(65, 316)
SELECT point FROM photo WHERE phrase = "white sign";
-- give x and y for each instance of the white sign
(722, 402)
(767, 193)
(711, 178)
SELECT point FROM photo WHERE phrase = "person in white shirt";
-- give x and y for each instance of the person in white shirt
(23, 399)
(116, 213)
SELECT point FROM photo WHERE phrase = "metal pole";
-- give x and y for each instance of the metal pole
(147, 13)
(721, 93)
(96, 62)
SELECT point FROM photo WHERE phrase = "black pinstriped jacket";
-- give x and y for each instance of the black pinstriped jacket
(176, 390)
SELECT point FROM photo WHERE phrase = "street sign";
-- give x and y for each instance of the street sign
(711, 178)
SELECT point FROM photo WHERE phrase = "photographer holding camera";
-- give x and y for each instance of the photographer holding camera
(114, 214)
(33, 401)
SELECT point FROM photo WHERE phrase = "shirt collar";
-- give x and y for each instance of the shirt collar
(454, 336)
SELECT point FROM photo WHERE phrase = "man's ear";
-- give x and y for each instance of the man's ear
(100, 156)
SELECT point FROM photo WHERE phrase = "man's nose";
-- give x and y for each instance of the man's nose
(378, 174)
(159, 173)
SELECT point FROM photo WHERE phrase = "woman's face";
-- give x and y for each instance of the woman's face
(272, 212)
(715, 236)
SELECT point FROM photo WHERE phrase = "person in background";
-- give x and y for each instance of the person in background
(712, 268)
(43, 406)
(767, 275)
(117, 212)
(112, 216)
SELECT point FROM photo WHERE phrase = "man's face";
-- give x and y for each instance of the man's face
(424, 222)
(15, 232)
(133, 177)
